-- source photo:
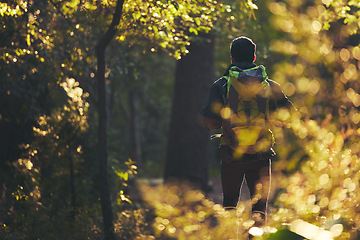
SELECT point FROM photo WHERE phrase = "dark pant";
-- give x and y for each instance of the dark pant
(233, 171)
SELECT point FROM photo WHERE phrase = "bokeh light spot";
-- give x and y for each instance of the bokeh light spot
(226, 113)
(303, 85)
(316, 26)
(324, 179)
(356, 53)
(344, 54)
(289, 89)
(314, 87)
(336, 229)
(255, 231)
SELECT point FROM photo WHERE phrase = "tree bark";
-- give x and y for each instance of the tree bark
(136, 151)
(106, 205)
(187, 151)
(72, 184)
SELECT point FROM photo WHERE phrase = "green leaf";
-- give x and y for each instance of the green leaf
(122, 175)
(164, 44)
(193, 30)
(198, 21)
(136, 15)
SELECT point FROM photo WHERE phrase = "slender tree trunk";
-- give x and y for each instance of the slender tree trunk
(135, 130)
(187, 151)
(72, 185)
(103, 153)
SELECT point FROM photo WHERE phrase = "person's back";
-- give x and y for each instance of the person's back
(245, 115)
(240, 103)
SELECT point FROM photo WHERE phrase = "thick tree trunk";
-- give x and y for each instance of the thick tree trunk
(187, 152)
(103, 153)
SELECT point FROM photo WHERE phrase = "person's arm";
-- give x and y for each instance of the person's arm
(211, 123)
(210, 113)
(280, 107)
(279, 99)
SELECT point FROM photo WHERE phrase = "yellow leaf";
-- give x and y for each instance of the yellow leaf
(28, 40)
(252, 5)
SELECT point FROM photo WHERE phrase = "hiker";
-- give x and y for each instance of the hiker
(240, 103)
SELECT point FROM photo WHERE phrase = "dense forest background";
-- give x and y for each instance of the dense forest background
(101, 98)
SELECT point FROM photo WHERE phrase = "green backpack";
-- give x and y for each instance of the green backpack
(246, 111)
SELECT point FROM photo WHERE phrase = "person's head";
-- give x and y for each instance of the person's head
(243, 49)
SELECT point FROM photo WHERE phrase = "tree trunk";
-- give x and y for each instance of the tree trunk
(72, 184)
(106, 205)
(136, 153)
(187, 151)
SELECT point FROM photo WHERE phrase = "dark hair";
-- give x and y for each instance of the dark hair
(243, 49)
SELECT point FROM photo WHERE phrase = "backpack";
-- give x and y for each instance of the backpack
(246, 111)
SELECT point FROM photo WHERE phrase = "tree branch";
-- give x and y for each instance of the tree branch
(110, 33)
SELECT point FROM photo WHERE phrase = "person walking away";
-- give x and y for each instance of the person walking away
(240, 104)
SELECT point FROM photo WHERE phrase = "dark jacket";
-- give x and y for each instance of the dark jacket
(218, 91)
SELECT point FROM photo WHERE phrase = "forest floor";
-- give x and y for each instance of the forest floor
(215, 194)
